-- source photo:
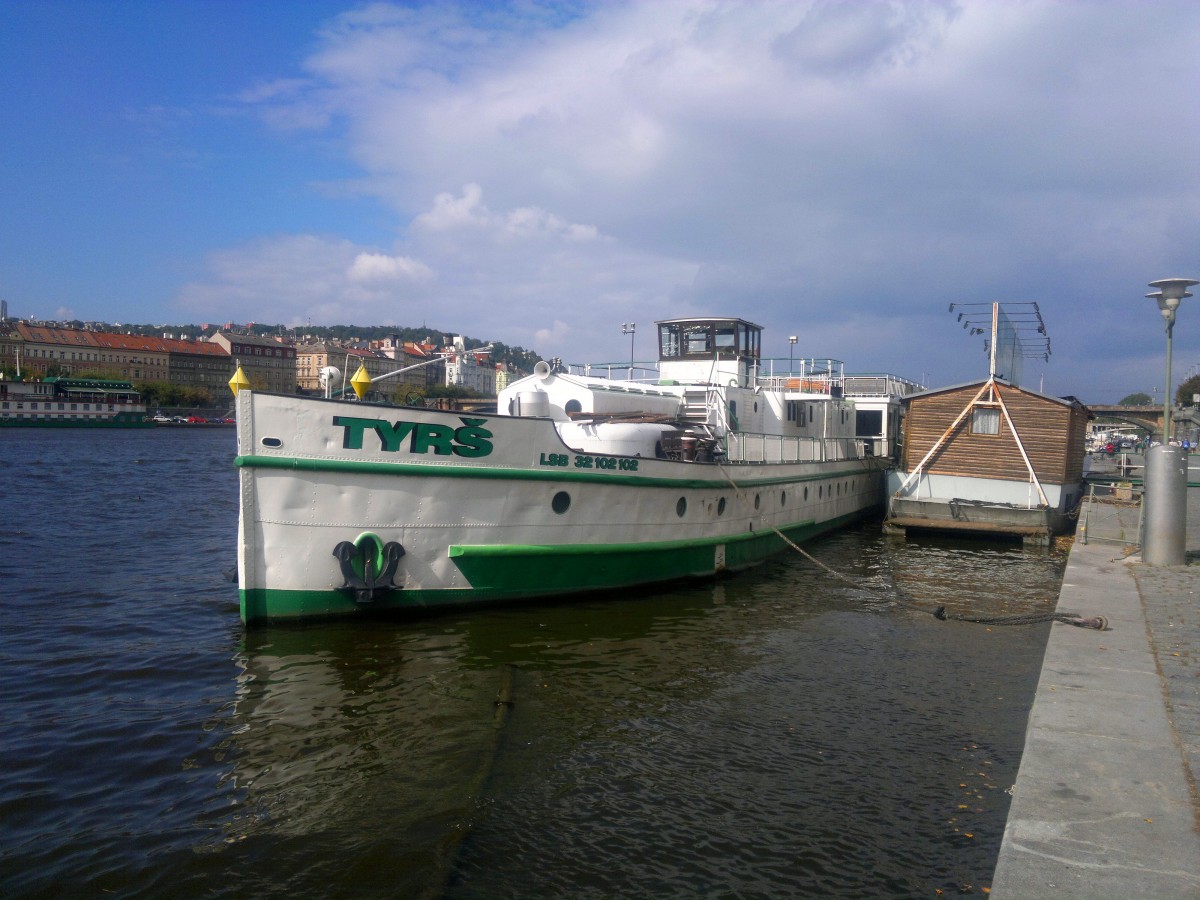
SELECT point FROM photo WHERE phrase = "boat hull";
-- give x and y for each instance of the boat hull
(120, 420)
(349, 509)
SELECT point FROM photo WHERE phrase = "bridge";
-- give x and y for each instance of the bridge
(1186, 419)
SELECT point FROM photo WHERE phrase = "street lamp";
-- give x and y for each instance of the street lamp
(791, 347)
(1164, 477)
(630, 328)
(1170, 292)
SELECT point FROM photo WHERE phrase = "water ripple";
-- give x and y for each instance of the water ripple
(780, 733)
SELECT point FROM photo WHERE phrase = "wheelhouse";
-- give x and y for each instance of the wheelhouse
(708, 350)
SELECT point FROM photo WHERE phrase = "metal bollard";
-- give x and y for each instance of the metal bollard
(1165, 532)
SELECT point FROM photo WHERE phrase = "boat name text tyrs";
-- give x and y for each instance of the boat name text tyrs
(469, 441)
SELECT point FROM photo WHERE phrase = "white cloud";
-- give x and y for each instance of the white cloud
(856, 164)
(380, 267)
(492, 275)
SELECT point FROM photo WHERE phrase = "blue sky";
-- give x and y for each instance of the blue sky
(541, 173)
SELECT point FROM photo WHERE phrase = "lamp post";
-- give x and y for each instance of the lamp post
(630, 328)
(791, 348)
(1170, 292)
(1165, 474)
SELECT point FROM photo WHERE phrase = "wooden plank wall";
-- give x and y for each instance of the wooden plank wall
(1053, 436)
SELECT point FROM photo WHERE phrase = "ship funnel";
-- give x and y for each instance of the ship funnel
(533, 404)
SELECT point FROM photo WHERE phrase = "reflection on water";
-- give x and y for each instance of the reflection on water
(780, 733)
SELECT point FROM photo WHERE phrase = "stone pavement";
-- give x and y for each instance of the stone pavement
(1105, 803)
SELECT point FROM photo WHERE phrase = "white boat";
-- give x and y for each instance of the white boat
(580, 483)
(60, 402)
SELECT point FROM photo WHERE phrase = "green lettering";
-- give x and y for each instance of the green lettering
(392, 436)
(352, 437)
(473, 440)
(438, 438)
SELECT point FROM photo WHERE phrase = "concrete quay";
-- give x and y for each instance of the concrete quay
(1105, 803)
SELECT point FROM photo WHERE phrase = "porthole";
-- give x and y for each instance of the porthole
(272, 442)
(721, 507)
(839, 490)
(561, 502)
(820, 491)
(806, 492)
(783, 498)
(756, 406)
(681, 507)
(573, 406)
(756, 501)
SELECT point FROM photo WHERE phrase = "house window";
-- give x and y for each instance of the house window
(985, 420)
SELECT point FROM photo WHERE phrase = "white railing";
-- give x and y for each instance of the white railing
(881, 385)
(744, 447)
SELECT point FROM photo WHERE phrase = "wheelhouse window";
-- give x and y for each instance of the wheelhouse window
(985, 420)
(705, 339)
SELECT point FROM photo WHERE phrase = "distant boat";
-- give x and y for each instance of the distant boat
(580, 483)
(71, 403)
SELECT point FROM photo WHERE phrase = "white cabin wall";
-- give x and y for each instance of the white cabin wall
(723, 372)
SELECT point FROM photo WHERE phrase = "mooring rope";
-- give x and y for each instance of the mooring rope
(1100, 623)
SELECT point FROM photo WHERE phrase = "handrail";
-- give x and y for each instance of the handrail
(747, 447)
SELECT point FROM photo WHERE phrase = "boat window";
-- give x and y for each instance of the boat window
(573, 406)
(668, 341)
(783, 498)
(721, 507)
(750, 341)
(726, 340)
(697, 340)
(561, 502)
(681, 507)
(756, 501)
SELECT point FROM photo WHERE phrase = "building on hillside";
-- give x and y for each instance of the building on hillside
(311, 358)
(199, 364)
(12, 346)
(472, 370)
(408, 354)
(70, 352)
(504, 375)
(269, 363)
(380, 358)
(49, 350)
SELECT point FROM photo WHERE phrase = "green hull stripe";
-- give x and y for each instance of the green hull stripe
(296, 464)
(527, 550)
(517, 572)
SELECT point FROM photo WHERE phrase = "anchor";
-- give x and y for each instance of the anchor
(378, 566)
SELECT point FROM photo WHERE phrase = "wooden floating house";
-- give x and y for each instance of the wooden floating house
(989, 458)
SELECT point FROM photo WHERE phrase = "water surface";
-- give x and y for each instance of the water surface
(783, 732)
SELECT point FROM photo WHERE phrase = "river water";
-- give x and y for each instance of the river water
(778, 733)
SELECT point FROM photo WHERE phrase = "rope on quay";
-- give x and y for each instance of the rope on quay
(1099, 623)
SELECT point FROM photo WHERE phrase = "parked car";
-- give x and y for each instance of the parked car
(197, 420)
(162, 420)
